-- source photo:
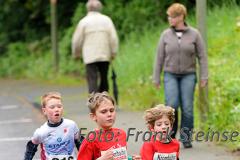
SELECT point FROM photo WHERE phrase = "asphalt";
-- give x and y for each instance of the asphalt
(74, 100)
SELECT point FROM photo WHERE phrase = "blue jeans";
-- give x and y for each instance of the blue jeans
(179, 91)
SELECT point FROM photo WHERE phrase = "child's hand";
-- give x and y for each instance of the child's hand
(107, 155)
(136, 157)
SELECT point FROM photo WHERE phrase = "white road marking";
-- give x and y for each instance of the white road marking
(14, 139)
(23, 120)
(9, 107)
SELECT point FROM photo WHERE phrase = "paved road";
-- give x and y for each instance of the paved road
(19, 117)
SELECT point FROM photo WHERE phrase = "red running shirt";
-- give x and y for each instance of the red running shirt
(101, 141)
(155, 150)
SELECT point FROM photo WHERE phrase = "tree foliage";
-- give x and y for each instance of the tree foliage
(28, 20)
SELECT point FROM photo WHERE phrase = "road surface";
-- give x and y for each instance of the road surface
(20, 116)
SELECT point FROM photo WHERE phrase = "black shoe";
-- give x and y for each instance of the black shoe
(187, 144)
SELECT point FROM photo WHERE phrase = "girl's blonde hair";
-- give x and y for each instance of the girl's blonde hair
(157, 112)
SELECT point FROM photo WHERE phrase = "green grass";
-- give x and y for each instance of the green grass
(134, 68)
(224, 66)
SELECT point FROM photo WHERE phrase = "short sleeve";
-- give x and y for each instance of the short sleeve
(147, 151)
(76, 131)
(85, 151)
(37, 138)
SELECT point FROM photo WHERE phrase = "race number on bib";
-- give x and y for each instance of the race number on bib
(60, 157)
(119, 153)
(165, 156)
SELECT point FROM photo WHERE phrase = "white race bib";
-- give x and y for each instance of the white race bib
(119, 153)
(165, 156)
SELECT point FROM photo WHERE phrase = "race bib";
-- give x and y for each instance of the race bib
(61, 157)
(119, 153)
(165, 156)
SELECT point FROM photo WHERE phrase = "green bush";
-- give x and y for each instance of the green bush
(13, 63)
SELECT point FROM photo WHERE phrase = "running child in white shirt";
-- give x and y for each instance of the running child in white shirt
(58, 136)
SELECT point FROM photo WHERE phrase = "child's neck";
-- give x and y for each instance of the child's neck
(50, 124)
(164, 140)
(104, 129)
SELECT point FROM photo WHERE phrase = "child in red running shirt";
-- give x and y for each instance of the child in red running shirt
(105, 142)
(160, 121)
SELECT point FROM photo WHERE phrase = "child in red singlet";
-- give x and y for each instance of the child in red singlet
(160, 121)
(105, 142)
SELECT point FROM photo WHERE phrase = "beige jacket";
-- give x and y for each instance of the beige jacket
(95, 38)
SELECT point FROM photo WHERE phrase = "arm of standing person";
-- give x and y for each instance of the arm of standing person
(159, 60)
(202, 59)
(113, 40)
(77, 40)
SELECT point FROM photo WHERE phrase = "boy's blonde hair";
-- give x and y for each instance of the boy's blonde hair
(153, 114)
(46, 97)
(95, 99)
(177, 9)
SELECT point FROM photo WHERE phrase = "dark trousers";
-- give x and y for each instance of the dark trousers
(96, 71)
